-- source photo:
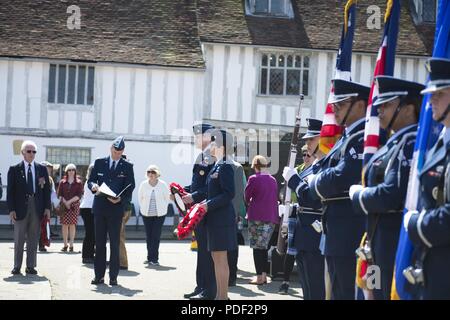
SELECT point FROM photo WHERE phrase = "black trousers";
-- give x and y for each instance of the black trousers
(88, 250)
(289, 261)
(342, 272)
(232, 263)
(312, 274)
(153, 228)
(260, 257)
(205, 274)
(107, 224)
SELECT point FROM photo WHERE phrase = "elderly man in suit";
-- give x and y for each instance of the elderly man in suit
(28, 197)
(118, 175)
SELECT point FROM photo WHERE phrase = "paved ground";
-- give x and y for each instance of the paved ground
(63, 277)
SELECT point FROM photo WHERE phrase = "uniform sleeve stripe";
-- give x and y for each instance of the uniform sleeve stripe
(420, 231)
(315, 187)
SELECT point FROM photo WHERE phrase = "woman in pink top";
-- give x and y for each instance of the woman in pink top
(261, 195)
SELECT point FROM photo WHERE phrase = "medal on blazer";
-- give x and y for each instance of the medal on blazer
(201, 172)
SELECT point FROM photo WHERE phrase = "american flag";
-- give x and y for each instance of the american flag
(427, 135)
(384, 66)
(331, 131)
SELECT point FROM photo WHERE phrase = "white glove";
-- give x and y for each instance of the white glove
(353, 189)
(407, 217)
(281, 208)
(288, 173)
(310, 178)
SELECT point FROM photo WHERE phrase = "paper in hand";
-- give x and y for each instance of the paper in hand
(105, 190)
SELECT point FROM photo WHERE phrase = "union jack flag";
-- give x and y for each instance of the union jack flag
(331, 131)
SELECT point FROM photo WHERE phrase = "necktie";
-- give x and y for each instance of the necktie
(113, 166)
(30, 189)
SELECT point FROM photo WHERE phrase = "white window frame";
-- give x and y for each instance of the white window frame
(285, 69)
(287, 12)
(66, 91)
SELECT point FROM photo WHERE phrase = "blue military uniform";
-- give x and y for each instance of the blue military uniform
(206, 281)
(108, 216)
(306, 238)
(386, 177)
(343, 227)
(429, 230)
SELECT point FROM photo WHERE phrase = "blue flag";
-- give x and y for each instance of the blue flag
(427, 135)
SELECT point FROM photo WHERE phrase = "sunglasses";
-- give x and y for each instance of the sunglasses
(71, 170)
(151, 172)
(31, 151)
(305, 155)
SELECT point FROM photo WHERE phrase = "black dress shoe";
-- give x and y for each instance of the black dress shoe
(42, 249)
(113, 282)
(16, 271)
(98, 281)
(189, 295)
(200, 296)
(232, 283)
(88, 260)
(123, 268)
(30, 271)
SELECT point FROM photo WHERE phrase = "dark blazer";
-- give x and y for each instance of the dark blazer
(306, 238)
(17, 187)
(341, 168)
(430, 230)
(220, 195)
(203, 165)
(117, 180)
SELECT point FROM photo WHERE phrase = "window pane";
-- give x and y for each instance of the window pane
(298, 61)
(276, 81)
(264, 60)
(81, 84)
(273, 60)
(263, 81)
(90, 96)
(261, 6)
(71, 85)
(293, 82)
(306, 62)
(61, 83)
(51, 83)
(281, 61)
(277, 7)
(429, 10)
(305, 82)
(289, 61)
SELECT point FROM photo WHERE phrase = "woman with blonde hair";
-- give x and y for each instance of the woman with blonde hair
(261, 195)
(70, 191)
(154, 198)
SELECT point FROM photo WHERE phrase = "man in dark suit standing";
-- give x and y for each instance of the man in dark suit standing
(28, 197)
(118, 175)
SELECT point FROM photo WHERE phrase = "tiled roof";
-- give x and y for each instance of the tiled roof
(157, 32)
(316, 25)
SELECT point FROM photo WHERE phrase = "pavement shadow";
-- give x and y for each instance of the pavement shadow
(160, 268)
(128, 273)
(28, 279)
(244, 292)
(118, 290)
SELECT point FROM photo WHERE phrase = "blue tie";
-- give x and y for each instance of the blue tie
(30, 189)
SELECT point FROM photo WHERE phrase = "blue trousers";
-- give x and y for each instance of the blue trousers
(206, 279)
(311, 267)
(153, 227)
(107, 224)
(342, 275)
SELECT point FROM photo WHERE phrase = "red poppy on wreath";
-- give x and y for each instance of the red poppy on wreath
(190, 221)
(178, 193)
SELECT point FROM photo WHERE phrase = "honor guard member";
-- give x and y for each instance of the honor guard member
(429, 230)
(118, 175)
(386, 176)
(341, 168)
(206, 282)
(308, 225)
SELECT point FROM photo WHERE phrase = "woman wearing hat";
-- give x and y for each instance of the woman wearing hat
(429, 229)
(70, 190)
(154, 198)
(220, 218)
